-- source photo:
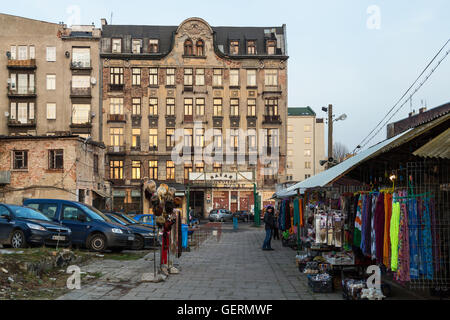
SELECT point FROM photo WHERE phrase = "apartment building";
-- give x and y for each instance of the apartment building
(207, 82)
(305, 144)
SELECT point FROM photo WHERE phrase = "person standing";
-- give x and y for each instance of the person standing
(276, 233)
(269, 220)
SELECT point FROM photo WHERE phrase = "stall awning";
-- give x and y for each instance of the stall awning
(439, 147)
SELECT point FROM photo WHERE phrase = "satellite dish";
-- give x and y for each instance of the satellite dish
(93, 81)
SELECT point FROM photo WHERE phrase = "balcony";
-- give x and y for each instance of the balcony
(115, 87)
(272, 120)
(153, 121)
(13, 123)
(217, 122)
(79, 123)
(272, 90)
(22, 64)
(270, 181)
(116, 118)
(117, 150)
(22, 93)
(136, 120)
(80, 92)
(251, 121)
(170, 121)
(136, 148)
(235, 121)
(81, 65)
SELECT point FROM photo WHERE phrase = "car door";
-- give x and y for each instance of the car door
(6, 225)
(70, 217)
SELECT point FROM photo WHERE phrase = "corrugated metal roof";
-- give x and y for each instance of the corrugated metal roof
(439, 147)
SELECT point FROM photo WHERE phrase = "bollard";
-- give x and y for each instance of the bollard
(235, 223)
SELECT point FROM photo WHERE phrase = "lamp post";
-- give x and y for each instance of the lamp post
(331, 121)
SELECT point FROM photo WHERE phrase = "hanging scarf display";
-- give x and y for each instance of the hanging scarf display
(282, 217)
(402, 274)
(413, 239)
(358, 223)
(379, 228)
(394, 232)
(387, 229)
(373, 248)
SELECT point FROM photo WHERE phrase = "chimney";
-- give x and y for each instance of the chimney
(104, 22)
(422, 110)
(412, 113)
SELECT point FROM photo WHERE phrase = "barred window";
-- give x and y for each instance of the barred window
(55, 159)
(20, 159)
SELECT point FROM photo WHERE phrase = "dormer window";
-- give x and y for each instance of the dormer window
(251, 47)
(153, 45)
(188, 48)
(234, 47)
(116, 45)
(200, 46)
(137, 46)
(271, 47)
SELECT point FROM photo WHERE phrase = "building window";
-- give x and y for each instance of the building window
(187, 170)
(234, 77)
(234, 138)
(188, 137)
(95, 164)
(20, 160)
(153, 138)
(170, 76)
(251, 107)
(51, 54)
(307, 140)
(136, 46)
(51, 82)
(170, 106)
(307, 128)
(307, 153)
(200, 138)
(136, 106)
(290, 140)
(116, 75)
(116, 45)
(200, 45)
(251, 78)
(188, 106)
(170, 170)
(307, 176)
(170, 138)
(217, 138)
(81, 113)
(135, 170)
(234, 105)
(116, 137)
(81, 57)
(55, 159)
(136, 76)
(188, 49)
(199, 77)
(200, 167)
(116, 170)
(234, 47)
(251, 47)
(200, 106)
(307, 165)
(32, 52)
(252, 145)
(217, 77)
(271, 46)
(136, 139)
(153, 76)
(153, 45)
(273, 138)
(153, 107)
(116, 106)
(217, 167)
(188, 76)
(82, 82)
(271, 77)
(271, 107)
(51, 111)
(217, 106)
(153, 170)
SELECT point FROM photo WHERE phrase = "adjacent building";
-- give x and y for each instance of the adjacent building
(207, 82)
(305, 144)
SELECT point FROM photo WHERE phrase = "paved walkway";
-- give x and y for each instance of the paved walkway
(229, 265)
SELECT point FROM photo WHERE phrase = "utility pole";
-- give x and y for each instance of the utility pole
(330, 131)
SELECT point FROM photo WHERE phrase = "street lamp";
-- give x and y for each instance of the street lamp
(343, 117)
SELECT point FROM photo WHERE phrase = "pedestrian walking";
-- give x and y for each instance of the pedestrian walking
(269, 220)
(276, 233)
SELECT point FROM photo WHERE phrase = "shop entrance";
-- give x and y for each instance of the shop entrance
(197, 203)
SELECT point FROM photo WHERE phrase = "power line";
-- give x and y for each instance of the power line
(404, 95)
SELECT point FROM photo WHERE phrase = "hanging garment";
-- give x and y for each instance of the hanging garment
(365, 235)
(394, 232)
(290, 220)
(413, 239)
(282, 216)
(402, 274)
(373, 251)
(302, 218)
(427, 241)
(287, 217)
(358, 223)
(387, 229)
(296, 212)
(379, 228)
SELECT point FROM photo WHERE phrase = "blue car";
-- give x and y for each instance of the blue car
(21, 227)
(90, 228)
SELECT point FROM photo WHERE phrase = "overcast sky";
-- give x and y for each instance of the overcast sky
(348, 53)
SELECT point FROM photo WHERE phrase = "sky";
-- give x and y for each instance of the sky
(358, 55)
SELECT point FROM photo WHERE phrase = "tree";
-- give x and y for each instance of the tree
(340, 151)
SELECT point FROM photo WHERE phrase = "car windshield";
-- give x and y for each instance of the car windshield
(128, 219)
(117, 219)
(27, 213)
(95, 214)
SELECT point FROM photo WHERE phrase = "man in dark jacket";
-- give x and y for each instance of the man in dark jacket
(270, 224)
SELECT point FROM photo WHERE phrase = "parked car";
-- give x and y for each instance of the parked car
(221, 215)
(242, 215)
(90, 227)
(21, 227)
(144, 235)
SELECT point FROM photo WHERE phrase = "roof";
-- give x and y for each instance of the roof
(439, 147)
(301, 112)
(76, 137)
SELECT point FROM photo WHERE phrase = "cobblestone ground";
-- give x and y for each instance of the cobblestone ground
(227, 265)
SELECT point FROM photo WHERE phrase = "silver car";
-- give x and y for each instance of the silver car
(221, 215)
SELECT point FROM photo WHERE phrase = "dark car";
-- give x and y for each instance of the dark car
(144, 235)
(21, 226)
(90, 227)
(242, 215)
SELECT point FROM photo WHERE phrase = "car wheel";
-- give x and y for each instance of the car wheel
(97, 242)
(17, 239)
(138, 243)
